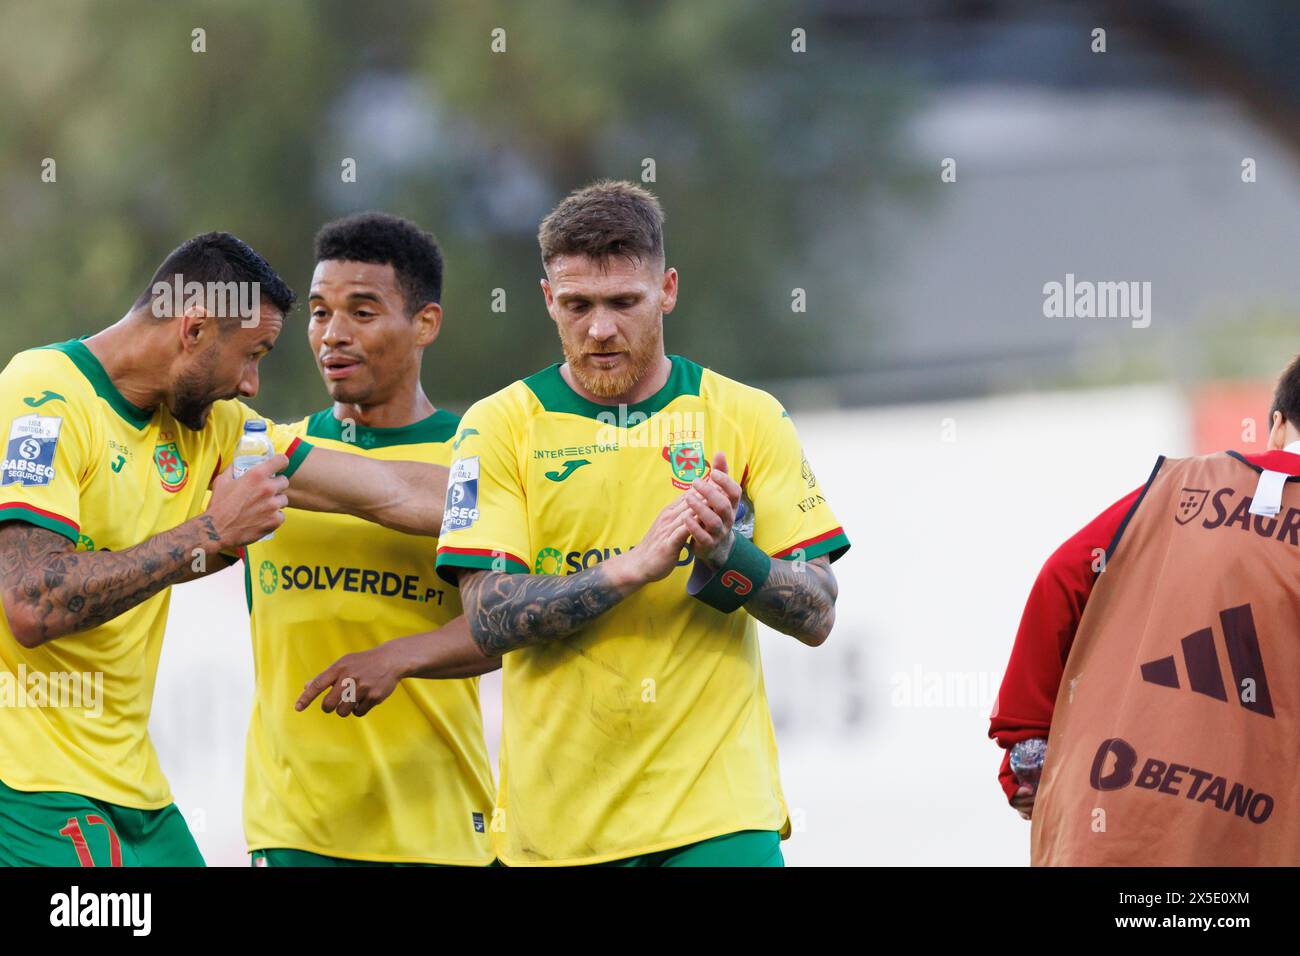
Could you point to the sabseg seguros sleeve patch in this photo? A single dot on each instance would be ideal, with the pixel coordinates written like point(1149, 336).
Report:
point(29, 455)
point(462, 495)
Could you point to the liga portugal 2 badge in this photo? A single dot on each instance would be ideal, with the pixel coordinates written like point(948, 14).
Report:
point(171, 466)
point(687, 461)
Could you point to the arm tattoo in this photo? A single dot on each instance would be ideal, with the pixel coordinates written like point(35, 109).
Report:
point(59, 590)
point(506, 611)
point(797, 600)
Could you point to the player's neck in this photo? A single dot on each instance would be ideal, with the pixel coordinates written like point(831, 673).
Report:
point(410, 407)
point(126, 351)
point(643, 389)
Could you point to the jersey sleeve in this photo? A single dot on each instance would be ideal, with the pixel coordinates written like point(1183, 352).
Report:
point(792, 519)
point(1025, 702)
point(48, 446)
point(229, 417)
point(485, 520)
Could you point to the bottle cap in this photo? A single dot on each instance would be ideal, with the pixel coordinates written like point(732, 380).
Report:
point(255, 425)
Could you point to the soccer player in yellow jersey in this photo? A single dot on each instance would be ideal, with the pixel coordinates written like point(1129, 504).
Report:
point(412, 783)
point(636, 729)
point(112, 442)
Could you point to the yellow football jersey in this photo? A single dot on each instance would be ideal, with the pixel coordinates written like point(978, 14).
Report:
point(82, 461)
point(410, 781)
point(648, 729)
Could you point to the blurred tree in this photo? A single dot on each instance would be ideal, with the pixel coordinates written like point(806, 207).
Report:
point(763, 158)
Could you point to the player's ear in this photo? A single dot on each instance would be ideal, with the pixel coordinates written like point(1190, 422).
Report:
point(428, 323)
point(1277, 434)
point(669, 290)
point(192, 325)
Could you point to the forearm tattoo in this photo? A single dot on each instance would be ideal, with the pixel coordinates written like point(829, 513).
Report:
point(798, 598)
point(506, 611)
point(62, 590)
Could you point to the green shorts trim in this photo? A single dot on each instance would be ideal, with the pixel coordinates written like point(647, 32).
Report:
point(743, 848)
point(54, 828)
point(287, 857)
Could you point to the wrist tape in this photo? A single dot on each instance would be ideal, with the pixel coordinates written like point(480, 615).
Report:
point(730, 586)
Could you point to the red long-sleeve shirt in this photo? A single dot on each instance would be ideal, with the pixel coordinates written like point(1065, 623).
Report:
point(1025, 701)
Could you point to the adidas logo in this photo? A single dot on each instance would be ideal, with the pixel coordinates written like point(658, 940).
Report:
point(1201, 662)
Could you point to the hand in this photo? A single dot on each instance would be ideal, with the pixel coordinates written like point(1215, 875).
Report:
point(657, 554)
point(248, 508)
point(711, 504)
point(359, 682)
point(1023, 801)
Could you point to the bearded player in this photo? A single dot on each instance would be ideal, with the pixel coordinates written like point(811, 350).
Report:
point(598, 553)
point(113, 442)
point(411, 784)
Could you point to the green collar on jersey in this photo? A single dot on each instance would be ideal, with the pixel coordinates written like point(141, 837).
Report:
point(438, 427)
point(90, 367)
point(556, 395)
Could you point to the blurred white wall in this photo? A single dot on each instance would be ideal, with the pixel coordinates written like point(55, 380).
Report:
point(951, 508)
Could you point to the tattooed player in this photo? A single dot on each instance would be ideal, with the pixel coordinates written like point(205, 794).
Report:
point(636, 727)
point(112, 443)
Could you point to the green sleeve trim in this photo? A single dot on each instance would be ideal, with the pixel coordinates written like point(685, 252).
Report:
point(44, 520)
point(835, 544)
point(478, 560)
point(297, 452)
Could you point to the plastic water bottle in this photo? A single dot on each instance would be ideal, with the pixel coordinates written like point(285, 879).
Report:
point(744, 523)
point(254, 448)
point(1027, 761)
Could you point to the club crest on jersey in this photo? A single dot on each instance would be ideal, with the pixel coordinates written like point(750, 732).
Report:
point(462, 495)
point(687, 461)
point(171, 466)
point(29, 456)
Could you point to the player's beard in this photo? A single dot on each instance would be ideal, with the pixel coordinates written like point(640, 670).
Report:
point(193, 392)
point(642, 353)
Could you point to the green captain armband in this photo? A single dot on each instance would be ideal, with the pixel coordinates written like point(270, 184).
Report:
point(744, 572)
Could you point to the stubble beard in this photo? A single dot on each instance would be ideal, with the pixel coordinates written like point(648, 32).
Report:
point(193, 393)
point(642, 356)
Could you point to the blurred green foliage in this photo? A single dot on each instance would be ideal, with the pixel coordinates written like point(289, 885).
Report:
point(764, 159)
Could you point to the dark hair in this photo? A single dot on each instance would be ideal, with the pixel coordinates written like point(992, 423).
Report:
point(607, 218)
point(220, 257)
point(1286, 397)
point(380, 238)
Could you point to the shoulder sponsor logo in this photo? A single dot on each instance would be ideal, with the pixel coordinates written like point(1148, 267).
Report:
point(464, 433)
point(570, 467)
point(811, 502)
point(461, 509)
point(46, 396)
point(806, 472)
point(29, 456)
